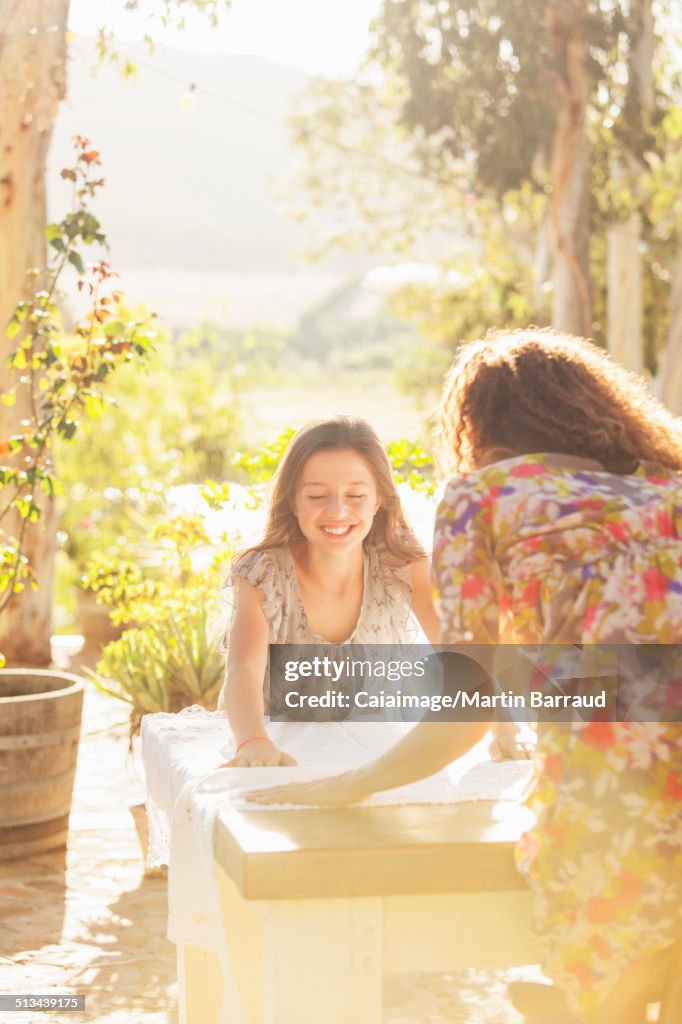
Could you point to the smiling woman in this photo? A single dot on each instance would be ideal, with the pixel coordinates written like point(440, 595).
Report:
point(337, 564)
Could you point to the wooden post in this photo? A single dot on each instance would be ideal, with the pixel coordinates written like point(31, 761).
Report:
point(569, 206)
point(624, 285)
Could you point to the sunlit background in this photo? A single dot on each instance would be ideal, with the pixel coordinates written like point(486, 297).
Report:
point(318, 202)
point(308, 207)
point(317, 37)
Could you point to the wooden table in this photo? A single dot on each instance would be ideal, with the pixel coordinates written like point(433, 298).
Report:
point(319, 905)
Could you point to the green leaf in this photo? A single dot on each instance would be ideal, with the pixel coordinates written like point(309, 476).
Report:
point(114, 329)
point(75, 260)
point(66, 429)
point(94, 405)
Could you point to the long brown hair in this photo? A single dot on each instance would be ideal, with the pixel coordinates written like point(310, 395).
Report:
point(389, 527)
point(533, 390)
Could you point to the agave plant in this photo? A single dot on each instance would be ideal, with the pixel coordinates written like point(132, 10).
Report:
point(169, 657)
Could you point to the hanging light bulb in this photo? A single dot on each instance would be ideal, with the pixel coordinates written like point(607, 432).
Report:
point(187, 99)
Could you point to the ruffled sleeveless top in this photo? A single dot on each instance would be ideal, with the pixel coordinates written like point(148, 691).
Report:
point(386, 604)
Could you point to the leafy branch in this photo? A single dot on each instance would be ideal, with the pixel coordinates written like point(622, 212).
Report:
point(56, 379)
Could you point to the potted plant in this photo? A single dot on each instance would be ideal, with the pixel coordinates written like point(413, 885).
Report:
point(57, 378)
point(40, 718)
point(169, 655)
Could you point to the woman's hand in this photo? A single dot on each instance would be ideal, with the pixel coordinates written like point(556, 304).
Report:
point(335, 791)
point(511, 741)
point(260, 753)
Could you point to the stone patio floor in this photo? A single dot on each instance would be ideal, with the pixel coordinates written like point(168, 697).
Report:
point(87, 920)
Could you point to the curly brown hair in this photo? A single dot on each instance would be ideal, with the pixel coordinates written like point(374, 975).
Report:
point(535, 390)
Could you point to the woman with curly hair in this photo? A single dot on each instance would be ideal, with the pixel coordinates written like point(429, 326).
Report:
point(562, 524)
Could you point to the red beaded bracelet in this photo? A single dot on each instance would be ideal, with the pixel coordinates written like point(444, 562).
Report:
point(251, 739)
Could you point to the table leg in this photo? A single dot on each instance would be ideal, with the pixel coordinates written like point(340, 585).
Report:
point(242, 922)
point(324, 961)
point(324, 958)
point(200, 986)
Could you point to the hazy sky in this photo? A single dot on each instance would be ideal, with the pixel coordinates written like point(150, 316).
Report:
point(320, 36)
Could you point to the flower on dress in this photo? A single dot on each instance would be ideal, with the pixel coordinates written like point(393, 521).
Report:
point(599, 735)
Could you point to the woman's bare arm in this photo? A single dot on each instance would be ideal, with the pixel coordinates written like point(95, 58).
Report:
point(242, 694)
point(429, 747)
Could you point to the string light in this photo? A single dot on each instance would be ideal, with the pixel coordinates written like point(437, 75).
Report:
point(187, 99)
point(186, 103)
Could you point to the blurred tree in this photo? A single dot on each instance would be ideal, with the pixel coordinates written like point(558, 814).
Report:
point(664, 185)
point(624, 253)
point(510, 85)
point(33, 53)
point(367, 180)
point(464, 105)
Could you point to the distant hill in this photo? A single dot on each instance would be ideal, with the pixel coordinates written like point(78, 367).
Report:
point(186, 190)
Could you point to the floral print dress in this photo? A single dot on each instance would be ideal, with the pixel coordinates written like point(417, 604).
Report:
point(553, 549)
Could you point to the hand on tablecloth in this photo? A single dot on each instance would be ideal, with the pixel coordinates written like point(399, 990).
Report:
point(260, 753)
point(334, 791)
point(511, 741)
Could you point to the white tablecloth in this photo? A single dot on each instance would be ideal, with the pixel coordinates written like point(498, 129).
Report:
point(186, 793)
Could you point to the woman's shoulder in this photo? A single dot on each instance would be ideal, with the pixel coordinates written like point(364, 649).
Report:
point(516, 467)
point(514, 476)
point(267, 571)
point(261, 567)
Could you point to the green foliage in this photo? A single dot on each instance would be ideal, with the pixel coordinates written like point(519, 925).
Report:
point(169, 656)
point(365, 182)
point(486, 77)
point(478, 76)
point(411, 465)
point(452, 123)
point(174, 12)
point(258, 467)
point(179, 422)
point(495, 287)
point(57, 380)
point(352, 329)
point(168, 13)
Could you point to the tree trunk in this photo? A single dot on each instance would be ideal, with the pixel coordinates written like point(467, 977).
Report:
point(32, 83)
point(569, 207)
point(624, 294)
point(624, 258)
point(670, 375)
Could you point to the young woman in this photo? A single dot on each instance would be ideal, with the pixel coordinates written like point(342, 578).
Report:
point(337, 564)
point(563, 524)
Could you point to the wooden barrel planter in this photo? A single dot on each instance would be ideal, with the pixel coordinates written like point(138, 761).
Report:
point(40, 722)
